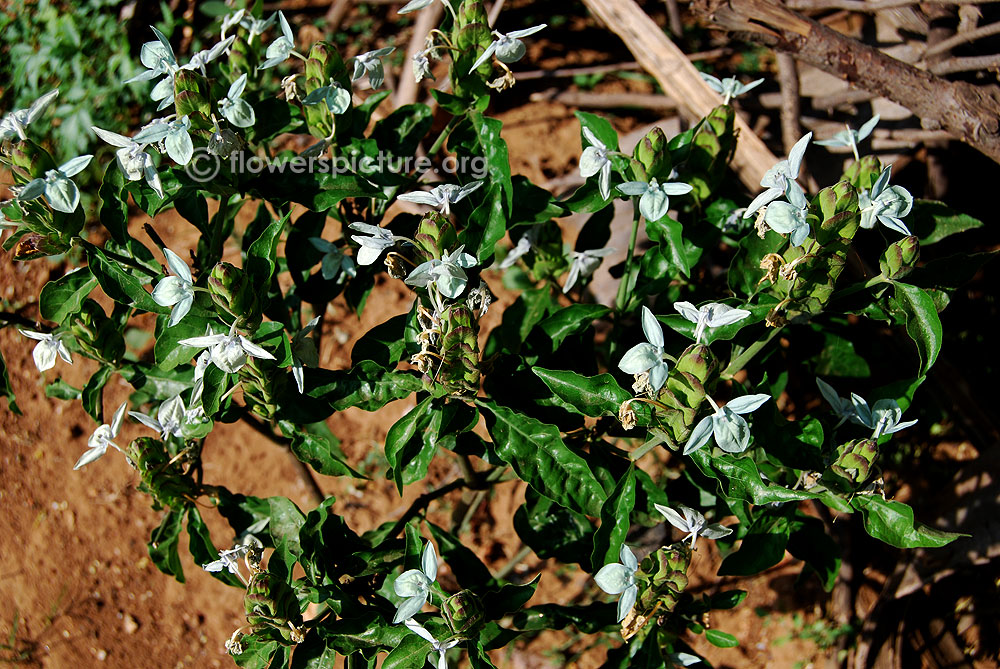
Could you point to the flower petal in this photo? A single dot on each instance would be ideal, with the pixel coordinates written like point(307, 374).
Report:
point(614, 578)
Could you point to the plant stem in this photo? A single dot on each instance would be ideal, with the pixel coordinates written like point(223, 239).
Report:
point(439, 142)
point(740, 361)
point(627, 276)
point(117, 257)
point(512, 563)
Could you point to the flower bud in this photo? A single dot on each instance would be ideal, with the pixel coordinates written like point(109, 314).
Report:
point(650, 159)
point(463, 611)
point(231, 291)
point(30, 161)
point(661, 578)
point(191, 95)
point(853, 465)
point(435, 234)
point(900, 258)
point(863, 173)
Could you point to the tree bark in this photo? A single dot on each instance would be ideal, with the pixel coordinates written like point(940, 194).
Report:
point(680, 80)
point(970, 113)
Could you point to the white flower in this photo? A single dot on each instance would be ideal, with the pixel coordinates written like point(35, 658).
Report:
point(336, 97)
point(237, 110)
point(842, 407)
point(448, 274)
point(710, 315)
point(883, 417)
point(229, 559)
point(304, 353)
point(280, 49)
point(201, 364)
point(421, 67)
point(415, 5)
point(595, 160)
point(159, 59)
point(371, 62)
point(97, 444)
point(205, 56)
point(885, 204)
point(133, 161)
point(172, 136)
point(229, 352)
point(730, 429)
point(850, 137)
point(791, 218)
point(172, 416)
point(443, 196)
point(59, 190)
point(729, 87)
point(583, 264)
point(619, 579)
point(655, 201)
point(175, 291)
point(13, 124)
point(508, 47)
point(522, 248)
point(693, 523)
point(414, 585)
point(48, 347)
point(440, 647)
point(229, 21)
point(257, 26)
point(648, 356)
point(780, 179)
point(372, 246)
point(335, 264)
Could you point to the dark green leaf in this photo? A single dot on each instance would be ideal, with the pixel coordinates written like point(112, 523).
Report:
point(286, 521)
point(893, 523)
point(163, 545)
point(318, 453)
point(203, 550)
point(383, 344)
point(932, 221)
point(61, 390)
point(65, 295)
point(553, 531)
point(593, 396)
point(922, 322)
point(93, 392)
point(571, 320)
point(615, 523)
point(261, 256)
point(119, 285)
point(404, 432)
point(537, 453)
point(409, 653)
point(468, 569)
point(721, 639)
point(762, 547)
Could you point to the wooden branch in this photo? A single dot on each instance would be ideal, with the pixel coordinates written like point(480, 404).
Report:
point(872, 6)
point(966, 64)
point(427, 20)
point(679, 78)
point(969, 112)
point(962, 38)
point(587, 99)
point(788, 82)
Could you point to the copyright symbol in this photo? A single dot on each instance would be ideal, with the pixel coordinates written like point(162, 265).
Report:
point(204, 165)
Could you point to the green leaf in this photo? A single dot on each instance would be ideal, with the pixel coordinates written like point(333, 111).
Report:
point(61, 390)
point(257, 653)
point(588, 619)
point(571, 320)
point(553, 531)
point(739, 479)
point(615, 524)
point(313, 653)
point(203, 550)
point(932, 221)
point(6, 390)
point(536, 451)
point(65, 295)
point(163, 545)
point(469, 570)
point(409, 653)
point(93, 393)
point(893, 523)
point(366, 386)
point(721, 639)
point(167, 350)
point(261, 256)
point(593, 396)
point(495, 150)
point(403, 433)
point(317, 452)
point(762, 547)
point(114, 207)
point(508, 599)
point(922, 322)
point(838, 358)
point(286, 521)
point(601, 127)
point(383, 344)
point(669, 234)
point(120, 285)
